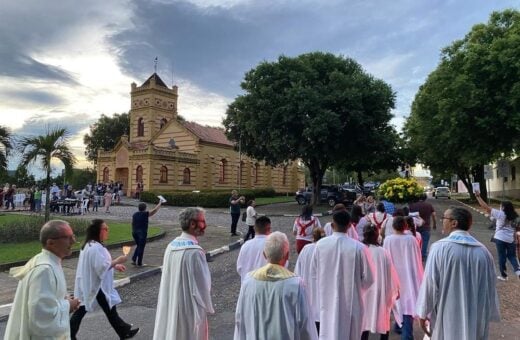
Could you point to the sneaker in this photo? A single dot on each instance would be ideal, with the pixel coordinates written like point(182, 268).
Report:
point(517, 273)
point(502, 278)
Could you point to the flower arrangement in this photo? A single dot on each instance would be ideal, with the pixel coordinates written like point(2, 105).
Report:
point(400, 190)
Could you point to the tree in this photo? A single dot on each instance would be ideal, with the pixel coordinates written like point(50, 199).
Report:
point(315, 107)
point(105, 133)
point(22, 179)
point(467, 114)
point(53, 145)
point(5, 147)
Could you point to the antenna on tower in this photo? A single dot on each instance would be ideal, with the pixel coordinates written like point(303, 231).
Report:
point(156, 60)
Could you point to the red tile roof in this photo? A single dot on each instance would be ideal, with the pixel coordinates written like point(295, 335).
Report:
point(208, 133)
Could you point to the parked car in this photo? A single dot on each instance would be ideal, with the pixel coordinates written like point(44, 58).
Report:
point(329, 193)
point(442, 192)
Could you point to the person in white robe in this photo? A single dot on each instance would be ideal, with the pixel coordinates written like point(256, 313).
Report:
point(382, 220)
point(458, 295)
point(382, 295)
point(406, 256)
point(351, 232)
point(343, 269)
point(251, 254)
point(185, 291)
point(41, 305)
point(273, 303)
point(303, 269)
point(94, 284)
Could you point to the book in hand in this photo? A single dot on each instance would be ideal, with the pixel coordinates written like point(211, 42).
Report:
point(476, 186)
point(162, 199)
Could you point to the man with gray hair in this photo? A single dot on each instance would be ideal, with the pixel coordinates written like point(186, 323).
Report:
point(41, 306)
point(184, 294)
point(458, 294)
point(273, 303)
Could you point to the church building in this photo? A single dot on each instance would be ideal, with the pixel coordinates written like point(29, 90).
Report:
point(165, 153)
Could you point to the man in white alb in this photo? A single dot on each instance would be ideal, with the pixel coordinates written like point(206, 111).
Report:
point(184, 294)
point(273, 303)
point(458, 294)
point(344, 271)
point(251, 255)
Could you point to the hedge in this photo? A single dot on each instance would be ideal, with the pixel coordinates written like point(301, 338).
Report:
point(206, 199)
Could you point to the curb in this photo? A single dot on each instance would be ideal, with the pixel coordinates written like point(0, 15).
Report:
point(4, 315)
point(75, 253)
point(473, 208)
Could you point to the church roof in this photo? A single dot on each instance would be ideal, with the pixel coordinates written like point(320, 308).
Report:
point(208, 133)
point(158, 81)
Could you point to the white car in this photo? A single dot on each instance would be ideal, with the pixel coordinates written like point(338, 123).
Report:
point(442, 192)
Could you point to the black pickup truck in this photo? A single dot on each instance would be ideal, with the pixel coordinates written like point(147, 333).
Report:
point(330, 194)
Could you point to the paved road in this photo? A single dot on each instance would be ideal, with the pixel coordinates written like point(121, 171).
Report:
point(140, 298)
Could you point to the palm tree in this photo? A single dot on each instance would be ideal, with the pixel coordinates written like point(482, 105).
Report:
point(5, 147)
point(43, 149)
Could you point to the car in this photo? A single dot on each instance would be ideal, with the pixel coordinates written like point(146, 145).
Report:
point(442, 192)
point(330, 194)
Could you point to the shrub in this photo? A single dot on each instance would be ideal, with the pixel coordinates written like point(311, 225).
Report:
point(207, 199)
point(27, 228)
point(400, 190)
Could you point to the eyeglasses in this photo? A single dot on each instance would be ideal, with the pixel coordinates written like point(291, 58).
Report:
point(104, 229)
point(202, 221)
point(70, 237)
point(447, 218)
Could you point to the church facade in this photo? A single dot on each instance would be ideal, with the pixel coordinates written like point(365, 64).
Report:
point(165, 153)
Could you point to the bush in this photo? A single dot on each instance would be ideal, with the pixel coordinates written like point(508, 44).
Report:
point(400, 190)
point(206, 199)
point(27, 228)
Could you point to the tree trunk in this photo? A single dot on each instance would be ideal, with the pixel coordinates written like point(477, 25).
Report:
point(48, 197)
point(316, 172)
point(360, 179)
point(478, 176)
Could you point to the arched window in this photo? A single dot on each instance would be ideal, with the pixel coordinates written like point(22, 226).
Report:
point(140, 127)
point(186, 176)
point(163, 123)
point(284, 175)
point(164, 175)
point(222, 171)
point(256, 172)
point(139, 174)
point(106, 175)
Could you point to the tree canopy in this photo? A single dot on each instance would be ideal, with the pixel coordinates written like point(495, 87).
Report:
point(5, 147)
point(105, 133)
point(467, 113)
point(44, 148)
point(316, 107)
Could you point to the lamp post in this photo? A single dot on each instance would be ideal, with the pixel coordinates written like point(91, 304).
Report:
point(239, 162)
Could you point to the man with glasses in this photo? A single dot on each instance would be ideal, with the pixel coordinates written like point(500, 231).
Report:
point(184, 294)
point(41, 306)
point(458, 293)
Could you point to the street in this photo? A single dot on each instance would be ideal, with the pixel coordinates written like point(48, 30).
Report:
point(140, 297)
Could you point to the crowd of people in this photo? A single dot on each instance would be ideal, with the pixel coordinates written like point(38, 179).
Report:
point(347, 282)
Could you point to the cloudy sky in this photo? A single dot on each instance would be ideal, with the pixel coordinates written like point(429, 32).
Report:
point(66, 62)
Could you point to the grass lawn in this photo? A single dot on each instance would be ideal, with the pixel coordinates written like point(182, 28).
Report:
point(11, 252)
point(275, 199)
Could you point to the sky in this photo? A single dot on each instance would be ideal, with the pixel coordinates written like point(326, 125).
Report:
point(64, 63)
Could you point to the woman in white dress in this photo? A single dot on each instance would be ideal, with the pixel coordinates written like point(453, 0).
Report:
point(94, 285)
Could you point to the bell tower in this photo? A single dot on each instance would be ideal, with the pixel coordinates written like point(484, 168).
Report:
point(153, 105)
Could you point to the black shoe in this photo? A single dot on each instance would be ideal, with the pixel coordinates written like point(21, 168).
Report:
point(131, 333)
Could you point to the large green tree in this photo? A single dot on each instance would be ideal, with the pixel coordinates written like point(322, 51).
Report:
point(317, 107)
point(467, 114)
point(43, 149)
point(105, 133)
point(5, 147)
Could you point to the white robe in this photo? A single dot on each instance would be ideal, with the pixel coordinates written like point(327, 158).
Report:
point(458, 293)
point(381, 296)
point(351, 231)
point(184, 293)
point(406, 256)
point(93, 273)
point(343, 269)
point(273, 308)
point(40, 310)
point(303, 269)
point(251, 256)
